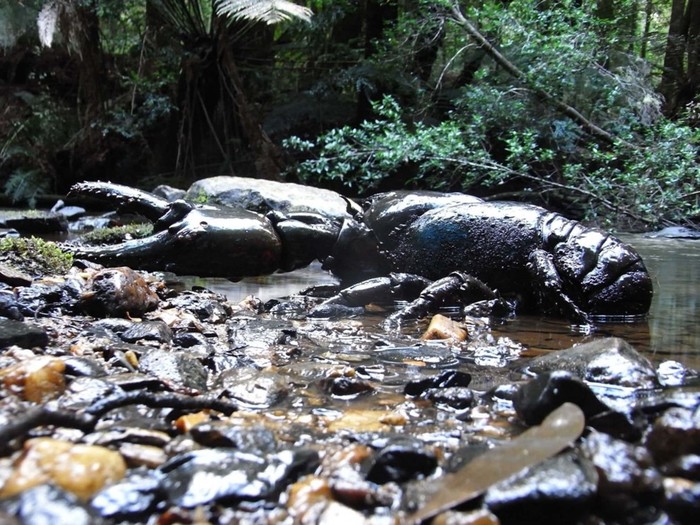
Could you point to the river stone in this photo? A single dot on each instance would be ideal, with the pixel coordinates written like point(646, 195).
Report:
point(77, 468)
point(558, 490)
point(118, 292)
point(149, 331)
point(135, 494)
point(400, 460)
point(49, 505)
point(609, 360)
point(178, 370)
point(687, 466)
point(682, 499)
point(14, 277)
point(675, 433)
point(168, 193)
point(675, 232)
point(254, 388)
point(258, 440)
point(22, 334)
point(204, 476)
point(450, 378)
point(36, 222)
point(458, 397)
point(263, 196)
point(537, 398)
point(626, 474)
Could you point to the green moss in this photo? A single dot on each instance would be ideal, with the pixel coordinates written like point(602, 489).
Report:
point(35, 256)
point(118, 234)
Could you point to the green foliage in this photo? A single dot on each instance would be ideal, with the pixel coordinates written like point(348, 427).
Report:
point(361, 158)
point(35, 256)
point(499, 134)
point(47, 126)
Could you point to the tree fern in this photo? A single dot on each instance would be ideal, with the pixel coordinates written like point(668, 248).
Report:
point(268, 11)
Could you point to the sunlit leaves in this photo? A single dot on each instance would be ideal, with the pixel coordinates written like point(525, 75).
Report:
point(268, 11)
point(47, 22)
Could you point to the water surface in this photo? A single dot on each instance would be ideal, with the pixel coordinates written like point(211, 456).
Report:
point(671, 330)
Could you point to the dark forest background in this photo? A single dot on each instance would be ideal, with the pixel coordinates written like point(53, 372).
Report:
point(588, 107)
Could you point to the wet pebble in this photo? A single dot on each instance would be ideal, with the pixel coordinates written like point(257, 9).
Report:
point(451, 378)
point(401, 460)
point(117, 292)
point(558, 490)
point(686, 466)
point(475, 517)
point(627, 477)
point(19, 333)
point(245, 438)
point(36, 379)
point(178, 370)
point(457, 397)
point(442, 327)
point(682, 499)
point(673, 373)
point(80, 469)
point(344, 387)
point(148, 330)
point(83, 367)
point(253, 387)
point(82, 392)
point(49, 505)
point(675, 433)
point(8, 305)
point(540, 396)
point(134, 495)
point(205, 476)
point(206, 307)
point(190, 339)
point(14, 277)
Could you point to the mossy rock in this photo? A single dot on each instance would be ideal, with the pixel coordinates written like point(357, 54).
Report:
point(34, 256)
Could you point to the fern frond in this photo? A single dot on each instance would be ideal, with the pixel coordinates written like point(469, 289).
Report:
point(47, 22)
point(268, 11)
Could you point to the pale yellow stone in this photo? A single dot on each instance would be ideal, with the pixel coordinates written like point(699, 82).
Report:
point(442, 327)
point(80, 469)
point(37, 379)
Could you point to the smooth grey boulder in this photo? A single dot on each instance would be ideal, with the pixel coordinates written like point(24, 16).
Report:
point(263, 196)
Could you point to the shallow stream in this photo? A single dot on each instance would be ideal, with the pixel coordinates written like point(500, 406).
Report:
point(671, 330)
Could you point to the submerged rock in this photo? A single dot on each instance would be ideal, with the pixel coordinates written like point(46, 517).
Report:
point(610, 361)
point(134, 495)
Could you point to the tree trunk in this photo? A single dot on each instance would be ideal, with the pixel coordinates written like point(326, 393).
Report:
point(672, 78)
point(90, 91)
point(693, 46)
point(268, 156)
point(377, 13)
